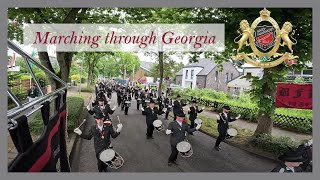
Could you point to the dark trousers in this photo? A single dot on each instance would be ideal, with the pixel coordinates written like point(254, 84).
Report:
point(150, 129)
point(102, 167)
point(192, 123)
point(138, 106)
point(167, 114)
point(119, 100)
point(221, 137)
point(174, 154)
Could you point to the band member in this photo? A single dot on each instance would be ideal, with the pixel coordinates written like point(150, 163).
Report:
point(139, 98)
point(168, 105)
point(151, 115)
point(101, 134)
point(178, 106)
point(119, 95)
point(102, 108)
point(194, 110)
point(161, 101)
point(33, 92)
point(127, 97)
point(177, 129)
point(291, 162)
point(145, 96)
point(223, 120)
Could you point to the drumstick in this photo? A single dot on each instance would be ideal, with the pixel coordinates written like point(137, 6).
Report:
point(119, 120)
point(84, 120)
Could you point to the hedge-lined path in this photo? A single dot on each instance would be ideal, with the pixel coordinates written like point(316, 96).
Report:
point(142, 155)
point(243, 124)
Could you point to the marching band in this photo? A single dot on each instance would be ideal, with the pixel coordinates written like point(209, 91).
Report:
point(178, 129)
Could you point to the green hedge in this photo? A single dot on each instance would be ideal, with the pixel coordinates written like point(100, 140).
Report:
point(89, 89)
point(275, 145)
point(75, 107)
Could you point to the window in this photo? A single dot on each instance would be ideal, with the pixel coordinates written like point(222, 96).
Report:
point(216, 77)
point(191, 85)
point(249, 74)
point(226, 79)
point(231, 76)
point(307, 72)
point(192, 71)
point(186, 74)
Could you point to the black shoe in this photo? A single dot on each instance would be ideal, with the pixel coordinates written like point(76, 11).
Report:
point(218, 148)
point(169, 164)
point(191, 134)
point(175, 163)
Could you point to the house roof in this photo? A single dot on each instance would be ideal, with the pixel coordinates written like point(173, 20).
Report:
point(146, 65)
point(206, 64)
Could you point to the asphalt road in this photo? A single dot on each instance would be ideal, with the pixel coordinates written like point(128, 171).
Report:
point(151, 155)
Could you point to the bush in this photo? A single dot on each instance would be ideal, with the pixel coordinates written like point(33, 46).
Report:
point(25, 77)
point(74, 108)
point(275, 145)
point(75, 77)
point(89, 89)
point(42, 78)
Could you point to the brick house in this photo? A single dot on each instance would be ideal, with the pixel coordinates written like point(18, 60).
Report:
point(205, 74)
point(144, 70)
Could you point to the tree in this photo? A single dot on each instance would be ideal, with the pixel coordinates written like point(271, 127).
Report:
point(91, 60)
point(46, 15)
point(127, 62)
point(161, 16)
point(170, 68)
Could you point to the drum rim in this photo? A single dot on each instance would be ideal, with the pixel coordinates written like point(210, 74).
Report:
point(234, 132)
point(197, 120)
point(111, 150)
point(127, 102)
point(181, 143)
point(155, 121)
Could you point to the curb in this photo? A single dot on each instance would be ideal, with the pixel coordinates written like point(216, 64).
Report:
point(274, 158)
point(74, 138)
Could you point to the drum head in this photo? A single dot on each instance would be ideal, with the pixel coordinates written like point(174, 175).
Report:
point(170, 106)
point(157, 123)
point(232, 132)
point(198, 121)
point(127, 102)
point(183, 146)
point(107, 155)
point(147, 101)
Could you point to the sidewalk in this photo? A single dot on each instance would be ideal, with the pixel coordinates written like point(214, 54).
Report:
point(243, 124)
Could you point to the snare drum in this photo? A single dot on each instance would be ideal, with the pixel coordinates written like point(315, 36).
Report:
point(158, 124)
point(198, 121)
point(169, 108)
point(231, 132)
point(185, 149)
point(111, 158)
point(127, 103)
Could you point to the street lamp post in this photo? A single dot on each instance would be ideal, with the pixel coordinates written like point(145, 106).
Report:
point(80, 62)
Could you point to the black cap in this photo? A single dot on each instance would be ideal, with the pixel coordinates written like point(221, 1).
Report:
point(292, 156)
point(98, 116)
point(99, 98)
point(151, 101)
point(180, 114)
point(226, 107)
point(194, 101)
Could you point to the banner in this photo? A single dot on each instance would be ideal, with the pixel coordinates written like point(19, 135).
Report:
point(294, 96)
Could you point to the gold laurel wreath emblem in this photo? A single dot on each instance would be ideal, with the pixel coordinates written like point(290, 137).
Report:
point(282, 34)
